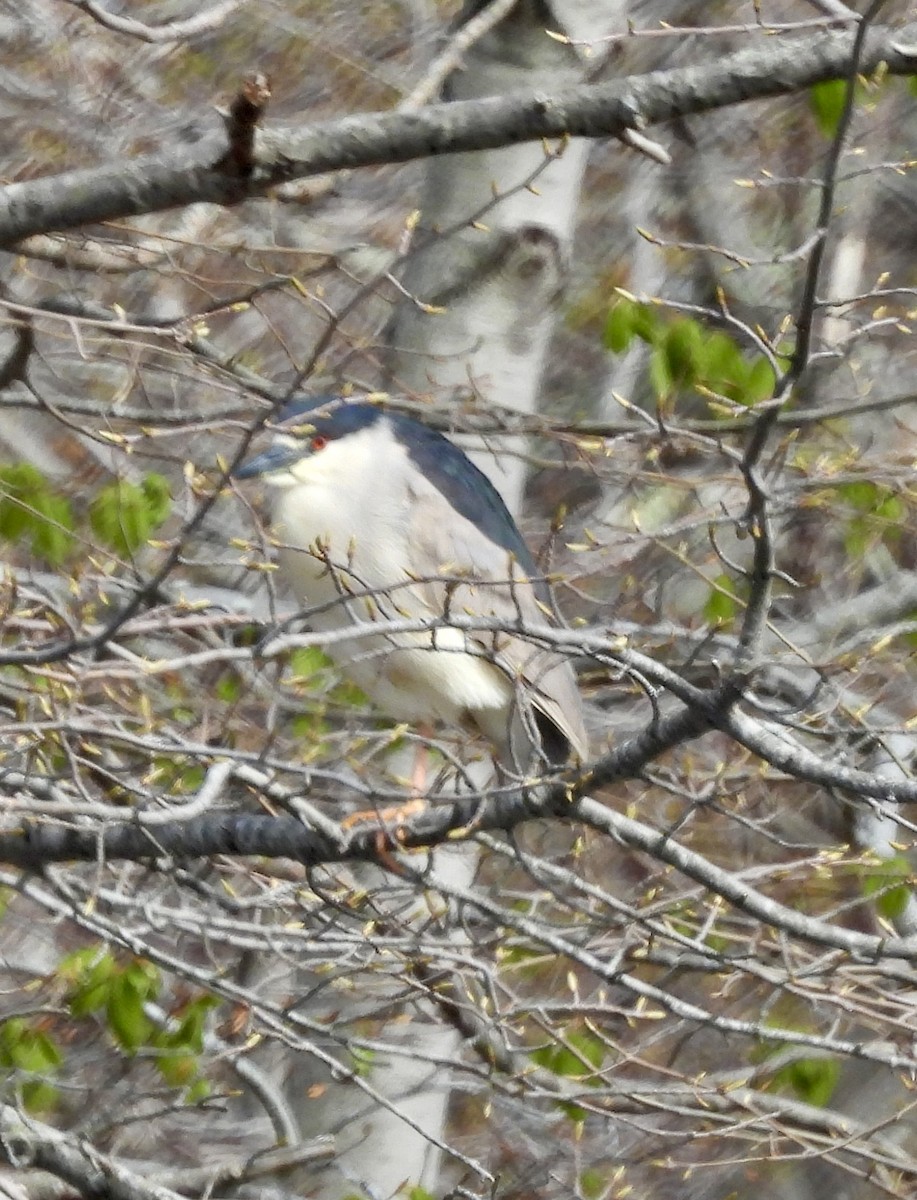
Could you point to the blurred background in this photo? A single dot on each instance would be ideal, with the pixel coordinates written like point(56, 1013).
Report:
point(559, 1013)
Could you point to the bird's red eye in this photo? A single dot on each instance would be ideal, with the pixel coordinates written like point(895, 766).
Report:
point(319, 442)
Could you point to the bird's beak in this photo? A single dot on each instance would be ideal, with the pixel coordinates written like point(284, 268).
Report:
point(280, 457)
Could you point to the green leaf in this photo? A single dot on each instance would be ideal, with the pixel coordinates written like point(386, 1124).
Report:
point(593, 1183)
point(144, 976)
point(11, 1034)
point(827, 103)
point(29, 507)
point(881, 514)
point(812, 1079)
point(619, 327)
point(857, 538)
point(46, 1053)
point(199, 1090)
point(32, 1053)
point(309, 729)
point(89, 1000)
point(722, 605)
point(190, 779)
point(52, 529)
point(18, 483)
point(120, 517)
point(76, 968)
point(861, 494)
point(348, 695)
point(27, 1048)
point(578, 1058)
point(178, 1070)
point(189, 1034)
point(159, 499)
point(728, 373)
point(591, 1048)
point(228, 688)
point(39, 1096)
point(362, 1060)
point(308, 662)
point(646, 322)
point(92, 974)
point(626, 320)
point(124, 515)
point(660, 377)
point(683, 347)
point(889, 881)
point(129, 1024)
point(573, 1111)
point(891, 509)
point(892, 904)
point(760, 382)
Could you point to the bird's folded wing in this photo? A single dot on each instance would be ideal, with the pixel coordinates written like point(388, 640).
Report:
point(467, 575)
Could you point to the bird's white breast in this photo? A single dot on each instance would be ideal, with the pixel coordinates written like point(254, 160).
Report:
point(345, 552)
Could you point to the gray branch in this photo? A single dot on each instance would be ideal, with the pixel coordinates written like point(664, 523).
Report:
point(197, 170)
point(26, 1142)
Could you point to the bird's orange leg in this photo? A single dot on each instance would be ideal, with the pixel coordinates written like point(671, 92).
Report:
point(392, 819)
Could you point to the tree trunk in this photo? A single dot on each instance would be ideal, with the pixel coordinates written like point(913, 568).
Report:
point(491, 262)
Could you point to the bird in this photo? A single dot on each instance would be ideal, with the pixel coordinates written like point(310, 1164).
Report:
point(380, 520)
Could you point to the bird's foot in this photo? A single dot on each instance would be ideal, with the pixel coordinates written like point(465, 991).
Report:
point(391, 833)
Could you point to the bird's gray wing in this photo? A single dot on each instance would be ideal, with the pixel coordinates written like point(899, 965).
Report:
point(460, 571)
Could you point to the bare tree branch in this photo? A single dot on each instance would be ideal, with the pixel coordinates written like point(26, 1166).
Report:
point(173, 31)
point(187, 174)
point(27, 1142)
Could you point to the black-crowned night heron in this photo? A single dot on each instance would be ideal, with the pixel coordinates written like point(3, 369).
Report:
point(380, 521)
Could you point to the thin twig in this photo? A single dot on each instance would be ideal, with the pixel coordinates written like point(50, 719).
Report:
point(174, 31)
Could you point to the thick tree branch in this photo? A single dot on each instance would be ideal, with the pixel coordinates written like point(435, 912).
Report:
point(174, 31)
point(236, 833)
point(191, 173)
point(26, 1142)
